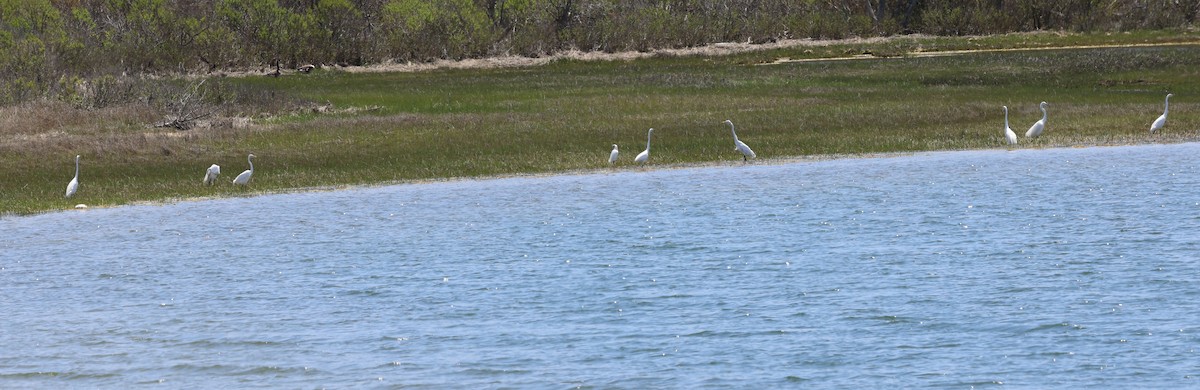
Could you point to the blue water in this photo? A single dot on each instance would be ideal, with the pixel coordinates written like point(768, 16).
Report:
point(1062, 268)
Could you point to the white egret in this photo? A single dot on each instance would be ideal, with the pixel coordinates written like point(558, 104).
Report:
point(1162, 120)
point(74, 184)
point(645, 154)
point(210, 177)
point(245, 176)
point(1039, 126)
point(612, 157)
point(738, 145)
point(1008, 133)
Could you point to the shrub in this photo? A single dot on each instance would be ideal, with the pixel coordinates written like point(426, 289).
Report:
point(43, 42)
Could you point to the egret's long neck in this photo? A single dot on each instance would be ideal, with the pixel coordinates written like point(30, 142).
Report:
point(648, 141)
point(251, 161)
point(1006, 118)
point(1167, 105)
point(76, 168)
point(1043, 113)
point(732, 131)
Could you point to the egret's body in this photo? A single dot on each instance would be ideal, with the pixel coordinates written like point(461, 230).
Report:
point(1162, 120)
point(1009, 135)
point(210, 176)
point(739, 145)
point(244, 177)
point(612, 157)
point(1040, 126)
point(644, 156)
point(74, 184)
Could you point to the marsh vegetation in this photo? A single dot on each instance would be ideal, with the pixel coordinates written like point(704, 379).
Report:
point(336, 128)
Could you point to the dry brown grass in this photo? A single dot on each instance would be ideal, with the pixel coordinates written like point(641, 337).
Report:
point(716, 49)
point(37, 117)
point(914, 45)
point(46, 128)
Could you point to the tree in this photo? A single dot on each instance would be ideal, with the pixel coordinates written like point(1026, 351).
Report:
point(260, 28)
point(32, 46)
point(339, 24)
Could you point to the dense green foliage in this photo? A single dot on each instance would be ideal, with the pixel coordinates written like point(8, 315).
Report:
point(564, 116)
point(48, 48)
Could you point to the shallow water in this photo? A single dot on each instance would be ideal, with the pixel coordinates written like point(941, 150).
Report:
point(1038, 268)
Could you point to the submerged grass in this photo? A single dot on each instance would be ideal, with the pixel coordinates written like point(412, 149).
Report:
point(565, 116)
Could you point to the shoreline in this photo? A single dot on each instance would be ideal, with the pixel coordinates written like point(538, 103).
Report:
point(772, 161)
point(435, 143)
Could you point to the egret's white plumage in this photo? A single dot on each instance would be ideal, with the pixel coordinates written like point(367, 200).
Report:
point(1039, 126)
point(1009, 135)
point(244, 177)
point(645, 154)
point(74, 184)
point(210, 176)
point(1162, 119)
point(612, 157)
point(738, 145)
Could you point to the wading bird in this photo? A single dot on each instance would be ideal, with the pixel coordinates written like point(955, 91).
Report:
point(1009, 135)
point(74, 184)
point(1162, 120)
point(210, 176)
point(645, 154)
point(1039, 126)
point(739, 145)
point(245, 176)
point(612, 157)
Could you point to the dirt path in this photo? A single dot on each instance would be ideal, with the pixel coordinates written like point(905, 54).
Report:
point(946, 53)
point(716, 49)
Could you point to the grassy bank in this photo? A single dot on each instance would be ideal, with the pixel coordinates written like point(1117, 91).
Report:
point(565, 115)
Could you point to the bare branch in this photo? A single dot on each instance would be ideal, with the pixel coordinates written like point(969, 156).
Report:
point(188, 108)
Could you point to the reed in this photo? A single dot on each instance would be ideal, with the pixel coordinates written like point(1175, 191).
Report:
point(566, 115)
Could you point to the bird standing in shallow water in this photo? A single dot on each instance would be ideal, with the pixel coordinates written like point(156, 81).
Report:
point(74, 184)
point(244, 178)
point(739, 145)
point(1162, 119)
point(644, 156)
point(1039, 126)
point(1009, 135)
point(210, 176)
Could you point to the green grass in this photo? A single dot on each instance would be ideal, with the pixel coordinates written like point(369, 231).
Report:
point(565, 116)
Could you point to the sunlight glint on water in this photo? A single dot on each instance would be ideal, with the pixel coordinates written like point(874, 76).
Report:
point(1068, 267)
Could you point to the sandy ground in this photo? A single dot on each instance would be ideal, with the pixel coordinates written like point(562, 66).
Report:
point(716, 49)
point(945, 53)
point(511, 61)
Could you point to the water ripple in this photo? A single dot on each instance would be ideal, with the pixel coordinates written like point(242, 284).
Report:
point(1034, 268)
